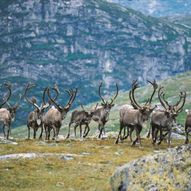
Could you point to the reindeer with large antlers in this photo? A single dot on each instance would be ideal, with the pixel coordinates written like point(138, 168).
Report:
point(101, 114)
point(7, 115)
point(35, 117)
point(80, 118)
point(163, 120)
point(55, 115)
point(133, 118)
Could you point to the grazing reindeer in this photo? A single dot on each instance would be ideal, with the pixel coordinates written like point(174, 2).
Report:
point(163, 120)
point(80, 118)
point(35, 117)
point(7, 115)
point(133, 118)
point(188, 125)
point(101, 114)
point(55, 115)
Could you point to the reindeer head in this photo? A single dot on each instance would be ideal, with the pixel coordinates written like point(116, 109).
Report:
point(12, 108)
point(172, 111)
point(64, 109)
point(5, 100)
point(146, 109)
point(39, 109)
point(106, 104)
point(89, 114)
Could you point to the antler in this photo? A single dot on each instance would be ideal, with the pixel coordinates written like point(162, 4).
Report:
point(134, 102)
point(182, 96)
point(100, 93)
point(155, 86)
point(71, 93)
point(8, 86)
point(160, 99)
point(33, 100)
point(112, 99)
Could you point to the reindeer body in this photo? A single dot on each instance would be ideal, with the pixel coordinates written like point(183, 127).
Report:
point(53, 120)
point(7, 115)
point(134, 117)
point(188, 125)
point(56, 114)
point(80, 118)
point(5, 118)
point(162, 120)
point(34, 121)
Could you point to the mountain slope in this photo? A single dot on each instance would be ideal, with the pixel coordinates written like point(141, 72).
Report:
point(80, 43)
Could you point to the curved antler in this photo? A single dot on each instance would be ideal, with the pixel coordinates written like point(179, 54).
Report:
point(117, 91)
point(71, 93)
point(132, 103)
point(160, 99)
point(100, 93)
point(8, 86)
point(182, 96)
point(134, 86)
point(33, 100)
point(155, 86)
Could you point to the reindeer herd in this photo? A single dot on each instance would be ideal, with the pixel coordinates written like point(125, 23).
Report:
point(48, 115)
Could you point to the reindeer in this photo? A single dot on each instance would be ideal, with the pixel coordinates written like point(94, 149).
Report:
point(7, 115)
point(35, 117)
point(163, 120)
point(133, 118)
point(82, 117)
point(101, 114)
point(187, 125)
point(55, 115)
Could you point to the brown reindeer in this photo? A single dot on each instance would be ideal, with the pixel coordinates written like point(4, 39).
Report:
point(81, 117)
point(7, 115)
point(163, 120)
point(187, 125)
point(55, 115)
point(133, 118)
point(101, 114)
point(35, 117)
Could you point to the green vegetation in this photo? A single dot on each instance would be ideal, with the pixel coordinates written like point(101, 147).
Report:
point(91, 170)
point(88, 171)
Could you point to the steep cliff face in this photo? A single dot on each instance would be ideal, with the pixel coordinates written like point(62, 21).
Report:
point(78, 43)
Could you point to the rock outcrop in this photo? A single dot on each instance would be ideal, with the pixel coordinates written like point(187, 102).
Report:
point(166, 170)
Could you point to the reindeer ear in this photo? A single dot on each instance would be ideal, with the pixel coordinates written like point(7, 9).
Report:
point(112, 105)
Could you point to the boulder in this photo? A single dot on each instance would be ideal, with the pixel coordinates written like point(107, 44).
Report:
point(166, 170)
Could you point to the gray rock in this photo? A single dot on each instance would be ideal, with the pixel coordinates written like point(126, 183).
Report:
point(166, 170)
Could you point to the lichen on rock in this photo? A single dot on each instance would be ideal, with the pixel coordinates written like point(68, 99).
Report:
point(166, 170)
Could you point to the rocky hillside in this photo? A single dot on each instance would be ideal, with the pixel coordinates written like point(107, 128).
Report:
point(169, 170)
point(80, 43)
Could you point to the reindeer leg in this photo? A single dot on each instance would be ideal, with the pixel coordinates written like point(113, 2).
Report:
point(80, 130)
point(186, 132)
point(40, 137)
point(130, 134)
point(4, 130)
point(34, 133)
point(8, 130)
point(169, 137)
point(28, 131)
point(88, 129)
point(75, 127)
point(69, 130)
point(161, 136)
point(119, 135)
point(101, 130)
point(54, 132)
point(148, 134)
point(155, 136)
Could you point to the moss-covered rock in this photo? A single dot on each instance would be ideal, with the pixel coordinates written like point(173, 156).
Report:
point(166, 170)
